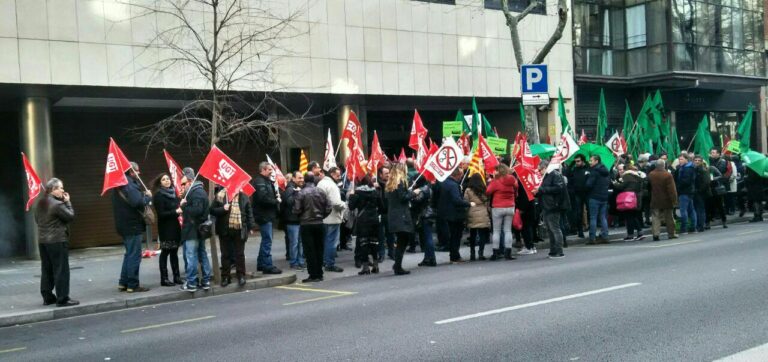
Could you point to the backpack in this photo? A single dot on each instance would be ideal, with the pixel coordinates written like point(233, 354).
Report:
point(626, 201)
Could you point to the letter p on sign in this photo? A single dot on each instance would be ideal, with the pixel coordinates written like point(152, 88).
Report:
point(534, 78)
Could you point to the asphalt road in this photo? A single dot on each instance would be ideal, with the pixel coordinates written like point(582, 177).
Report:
point(698, 298)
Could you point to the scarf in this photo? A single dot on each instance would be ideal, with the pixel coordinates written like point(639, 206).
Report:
point(235, 221)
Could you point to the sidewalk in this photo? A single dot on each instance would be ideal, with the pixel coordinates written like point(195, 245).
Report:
point(94, 274)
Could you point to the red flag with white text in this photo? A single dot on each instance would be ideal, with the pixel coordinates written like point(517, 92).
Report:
point(418, 132)
point(529, 179)
point(219, 168)
point(175, 171)
point(117, 166)
point(352, 130)
point(33, 181)
point(489, 160)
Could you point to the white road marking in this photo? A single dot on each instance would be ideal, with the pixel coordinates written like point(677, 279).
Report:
point(154, 326)
point(750, 232)
point(671, 244)
point(753, 354)
point(541, 302)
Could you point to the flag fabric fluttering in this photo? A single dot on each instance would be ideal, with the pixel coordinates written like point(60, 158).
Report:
point(34, 185)
point(488, 130)
point(565, 126)
point(418, 132)
point(703, 139)
point(352, 130)
point(489, 159)
point(376, 156)
point(445, 160)
point(475, 130)
point(529, 179)
point(280, 179)
point(175, 171)
point(303, 163)
point(602, 119)
point(402, 158)
point(465, 143)
point(220, 169)
point(583, 138)
point(617, 144)
point(744, 131)
point(117, 166)
point(476, 164)
point(522, 116)
point(329, 160)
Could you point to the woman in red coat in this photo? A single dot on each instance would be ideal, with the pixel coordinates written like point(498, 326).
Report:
point(502, 192)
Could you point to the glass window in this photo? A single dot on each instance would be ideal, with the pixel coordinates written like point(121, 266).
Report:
point(517, 6)
point(705, 24)
point(617, 29)
point(705, 60)
point(684, 55)
point(682, 21)
point(636, 34)
point(657, 17)
point(657, 58)
point(600, 61)
point(637, 62)
point(738, 29)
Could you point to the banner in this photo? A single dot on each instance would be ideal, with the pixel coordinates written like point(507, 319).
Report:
point(418, 132)
point(117, 166)
point(445, 160)
point(497, 145)
point(529, 179)
point(33, 181)
point(175, 171)
point(617, 144)
point(220, 169)
point(452, 129)
point(489, 160)
point(280, 180)
point(352, 130)
point(733, 146)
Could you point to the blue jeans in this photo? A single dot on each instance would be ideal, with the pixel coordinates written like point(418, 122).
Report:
point(129, 274)
point(687, 210)
point(598, 209)
point(427, 238)
point(295, 250)
point(700, 206)
point(331, 240)
point(264, 260)
point(194, 252)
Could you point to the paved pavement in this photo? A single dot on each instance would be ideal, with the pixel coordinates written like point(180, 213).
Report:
point(700, 297)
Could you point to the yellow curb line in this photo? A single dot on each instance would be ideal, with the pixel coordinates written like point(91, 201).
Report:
point(154, 326)
point(13, 350)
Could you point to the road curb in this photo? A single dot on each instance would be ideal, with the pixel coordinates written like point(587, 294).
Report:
point(48, 313)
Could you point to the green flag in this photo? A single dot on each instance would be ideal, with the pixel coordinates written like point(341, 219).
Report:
point(566, 127)
point(745, 129)
point(628, 121)
point(674, 144)
point(475, 120)
point(602, 119)
point(464, 125)
point(522, 116)
point(703, 142)
point(488, 129)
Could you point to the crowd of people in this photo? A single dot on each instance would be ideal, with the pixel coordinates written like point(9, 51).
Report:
point(394, 211)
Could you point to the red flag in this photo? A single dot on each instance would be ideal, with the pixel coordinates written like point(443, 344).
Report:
point(33, 181)
point(421, 155)
point(355, 169)
point(248, 189)
point(432, 150)
point(175, 171)
point(464, 143)
point(489, 159)
point(402, 157)
point(418, 132)
point(117, 166)
point(280, 179)
point(529, 179)
point(352, 130)
point(220, 169)
point(376, 156)
point(583, 138)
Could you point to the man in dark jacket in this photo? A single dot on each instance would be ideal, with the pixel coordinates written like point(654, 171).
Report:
point(703, 192)
point(577, 188)
point(598, 180)
point(291, 221)
point(312, 206)
point(386, 239)
point(452, 207)
point(234, 222)
point(686, 189)
point(194, 208)
point(53, 215)
point(265, 206)
point(553, 198)
point(128, 203)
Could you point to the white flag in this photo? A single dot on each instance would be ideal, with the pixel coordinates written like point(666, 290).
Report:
point(329, 160)
point(445, 160)
point(565, 150)
point(617, 144)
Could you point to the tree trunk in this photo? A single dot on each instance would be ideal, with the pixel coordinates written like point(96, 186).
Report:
point(211, 186)
point(532, 123)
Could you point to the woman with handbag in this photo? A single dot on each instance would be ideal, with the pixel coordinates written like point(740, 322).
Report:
point(502, 191)
point(630, 187)
point(166, 204)
point(478, 220)
point(398, 197)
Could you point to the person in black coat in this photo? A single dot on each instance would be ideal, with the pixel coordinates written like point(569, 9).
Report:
point(53, 215)
point(194, 208)
point(554, 200)
point(399, 213)
point(366, 203)
point(166, 204)
point(265, 203)
point(234, 222)
point(598, 182)
point(452, 207)
point(577, 188)
point(294, 249)
point(755, 186)
point(128, 203)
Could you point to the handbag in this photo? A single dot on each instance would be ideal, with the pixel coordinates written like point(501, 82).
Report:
point(205, 229)
point(626, 201)
point(720, 189)
point(517, 220)
point(147, 214)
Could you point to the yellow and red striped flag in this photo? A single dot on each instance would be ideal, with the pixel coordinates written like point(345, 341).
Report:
point(303, 163)
point(476, 165)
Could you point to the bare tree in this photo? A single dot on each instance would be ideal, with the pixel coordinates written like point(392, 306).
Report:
point(513, 21)
point(231, 45)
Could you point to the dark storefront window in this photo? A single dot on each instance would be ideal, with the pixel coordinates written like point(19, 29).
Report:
point(518, 6)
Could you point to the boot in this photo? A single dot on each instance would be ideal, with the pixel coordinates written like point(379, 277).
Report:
point(480, 253)
point(375, 266)
point(472, 253)
point(164, 275)
point(226, 280)
point(365, 269)
point(177, 278)
point(495, 255)
point(508, 254)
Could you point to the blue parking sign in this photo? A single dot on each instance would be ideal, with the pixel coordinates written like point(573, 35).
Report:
point(534, 78)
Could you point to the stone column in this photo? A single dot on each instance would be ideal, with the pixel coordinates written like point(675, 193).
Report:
point(37, 144)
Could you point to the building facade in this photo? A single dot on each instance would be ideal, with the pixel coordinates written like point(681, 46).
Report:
point(706, 57)
point(75, 72)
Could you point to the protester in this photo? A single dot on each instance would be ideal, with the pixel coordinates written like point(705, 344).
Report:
point(755, 193)
point(53, 215)
point(598, 181)
point(527, 210)
point(386, 238)
point(632, 181)
point(398, 197)
point(554, 200)
point(716, 200)
point(166, 203)
point(128, 204)
point(332, 223)
point(295, 250)
point(663, 200)
point(285, 211)
point(703, 192)
point(365, 201)
point(577, 189)
point(234, 222)
point(453, 208)
point(502, 192)
point(312, 206)
point(478, 220)
point(731, 184)
point(423, 214)
point(686, 189)
point(265, 206)
point(194, 208)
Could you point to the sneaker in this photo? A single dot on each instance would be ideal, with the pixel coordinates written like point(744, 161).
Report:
point(207, 286)
point(534, 250)
point(629, 238)
point(121, 288)
point(188, 288)
point(526, 252)
point(334, 269)
point(556, 256)
point(68, 303)
point(297, 267)
point(137, 290)
point(272, 270)
point(458, 261)
point(672, 237)
point(312, 280)
point(655, 238)
point(638, 238)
